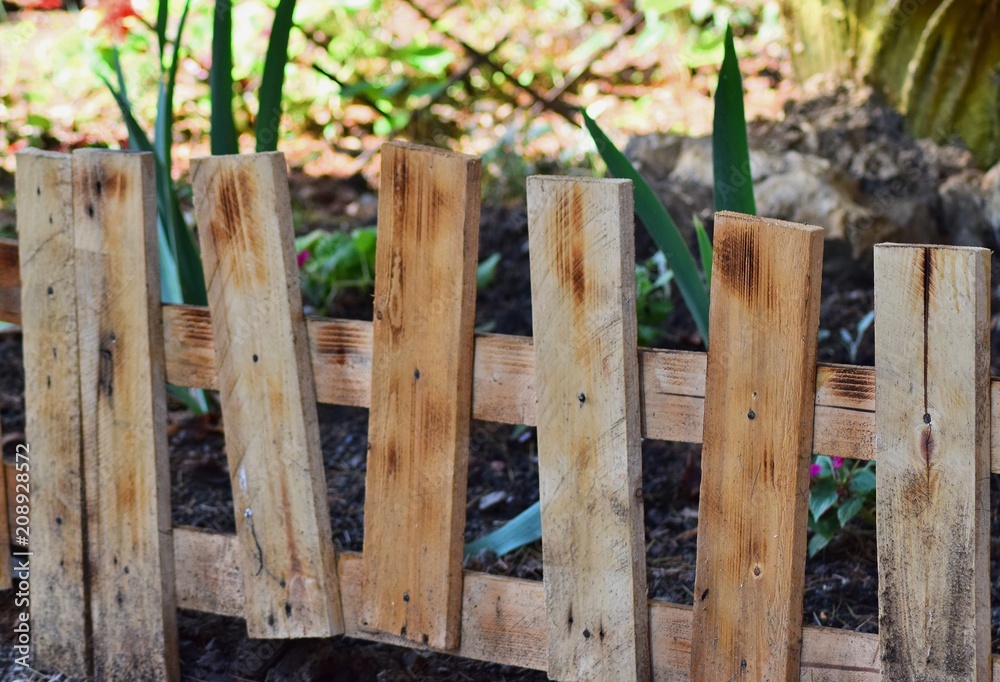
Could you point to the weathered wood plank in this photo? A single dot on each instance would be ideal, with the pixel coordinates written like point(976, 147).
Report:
point(932, 359)
point(268, 395)
point(10, 282)
point(673, 382)
point(589, 457)
point(123, 416)
point(503, 619)
point(213, 581)
point(421, 393)
point(758, 428)
point(60, 605)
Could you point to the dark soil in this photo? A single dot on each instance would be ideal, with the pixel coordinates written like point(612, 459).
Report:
point(841, 582)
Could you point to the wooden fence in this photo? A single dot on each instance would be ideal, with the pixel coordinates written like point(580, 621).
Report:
point(109, 572)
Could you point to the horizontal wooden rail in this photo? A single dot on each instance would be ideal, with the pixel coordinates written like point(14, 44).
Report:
point(503, 619)
point(672, 382)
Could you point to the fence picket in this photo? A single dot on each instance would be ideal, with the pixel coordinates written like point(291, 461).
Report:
point(589, 458)
point(123, 416)
point(268, 396)
point(759, 398)
point(60, 604)
point(932, 411)
point(421, 393)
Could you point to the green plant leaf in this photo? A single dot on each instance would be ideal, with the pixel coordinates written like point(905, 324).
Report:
point(486, 272)
point(817, 542)
point(661, 227)
point(849, 509)
point(862, 481)
point(822, 496)
point(704, 250)
point(162, 13)
point(273, 80)
point(220, 81)
point(730, 150)
point(524, 528)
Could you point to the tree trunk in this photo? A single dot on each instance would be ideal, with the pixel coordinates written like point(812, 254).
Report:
point(938, 61)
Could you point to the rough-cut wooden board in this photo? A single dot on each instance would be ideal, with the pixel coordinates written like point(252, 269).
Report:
point(589, 457)
point(60, 606)
point(932, 358)
point(503, 619)
point(421, 393)
point(123, 414)
point(213, 581)
point(10, 282)
point(673, 382)
point(268, 396)
point(755, 459)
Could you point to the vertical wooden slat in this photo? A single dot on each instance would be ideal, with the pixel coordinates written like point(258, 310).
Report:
point(268, 396)
point(123, 414)
point(932, 446)
point(590, 464)
point(60, 601)
point(421, 394)
point(759, 393)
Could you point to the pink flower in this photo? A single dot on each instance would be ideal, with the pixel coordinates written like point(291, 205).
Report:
point(304, 256)
point(837, 461)
point(815, 470)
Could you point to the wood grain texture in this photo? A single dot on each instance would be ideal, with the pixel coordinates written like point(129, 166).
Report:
point(123, 416)
point(60, 606)
point(268, 395)
point(10, 282)
point(589, 457)
point(503, 619)
point(932, 359)
point(758, 429)
point(421, 393)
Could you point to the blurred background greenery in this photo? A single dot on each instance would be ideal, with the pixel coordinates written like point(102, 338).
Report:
point(471, 75)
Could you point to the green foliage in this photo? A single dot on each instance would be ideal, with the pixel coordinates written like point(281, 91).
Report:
point(331, 262)
point(660, 225)
point(652, 298)
point(220, 81)
point(269, 111)
point(841, 490)
point(730, 149)
point(487, 271)
point(335, 261)
point(523, 529)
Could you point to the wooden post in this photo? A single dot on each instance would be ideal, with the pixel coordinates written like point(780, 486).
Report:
point(932, 411)
point(421, 394)
point(759, 393)
point(60, 608)
point(268, 396)
point(590, 463)
point(123, 413)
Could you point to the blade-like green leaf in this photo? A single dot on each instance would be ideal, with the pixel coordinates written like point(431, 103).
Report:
point(220, 81)
point(178, 235)
point(730, 150)
point(524, 528)
point(704, 250)
point(269, 114)
point(660, 226)
point(163, 136)
point(161, 28)
point(187, 262)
